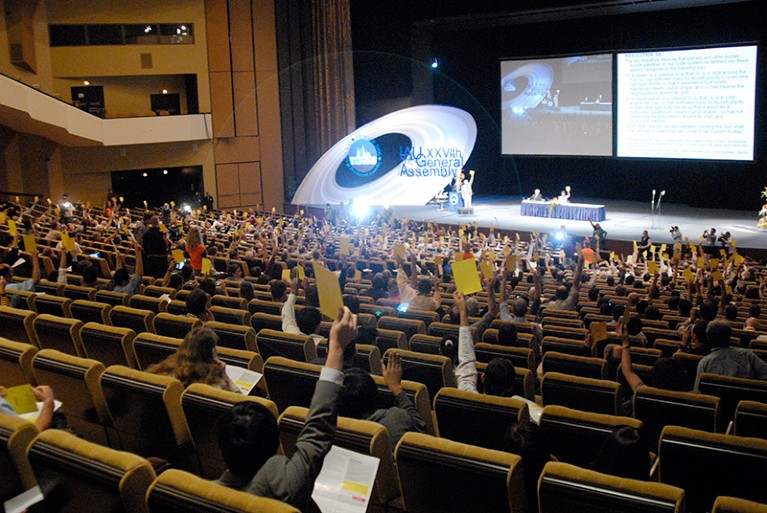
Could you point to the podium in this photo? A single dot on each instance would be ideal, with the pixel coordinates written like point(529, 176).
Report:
point(455, 200)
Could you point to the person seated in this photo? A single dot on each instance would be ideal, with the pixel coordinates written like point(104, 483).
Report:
point(278, 290)
point(196, 361)
point(249, 438)
point(124, 282)
point(418, 294)
point(624, 453)
point(537, 196)
point(306, 321)
point(43, 394)
point(527, 439)
point(197, 305)
point(564, 196)
point(568, 299)
point(736, 362)
point(358, 398)
point(6, 275)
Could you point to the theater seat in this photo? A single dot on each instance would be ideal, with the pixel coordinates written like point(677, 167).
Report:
point(594, 395)
point(261, 321)
point(16, 325)
point(53, 305)
point(111, 345)
point(658, 408)
point(409, 327)
point(751, 419)
point(584, 366)
point(231, 315)
point(734, 505)
point(176, 491)
point(15, 436)
point(149, 348)
point(290, 382)
point(175, 326)
point(203, 406)
point(571, 489)
point(112, 298)
point(140, 321)
point(236, 336)
point(434, 371)
point(731, 391)
point(519, 356)
point(84, 476)
point(707, 465)
point(153, 304)
point(62, 334)
point(90, 311)
point(16, 363)
point(476, 419)
point(388, 339)
point(441, 476)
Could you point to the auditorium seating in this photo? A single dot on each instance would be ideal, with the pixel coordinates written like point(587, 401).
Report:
point(428, 344)
point(16, 325)
point(138, 320)
point(235, 336)
point(519, 356)
point(62, 334)
point(658, 408)
point(149, 348)
point(153, 304)
point(441, 476)
point(270, 343)
point(409, 327)
point(434, 371)
point(230, 315)
point(725, 504)
point(112, 298)
point(15, 436)
point(16, 362)
point(261, 321)
point(587, 367)
point(388, 339)
point(290, 382)
point(90, 311)
point(175, 326)
point(563, 487)
point(594, 395)
point(731, 391)
point(750, 419)
point(110, 345)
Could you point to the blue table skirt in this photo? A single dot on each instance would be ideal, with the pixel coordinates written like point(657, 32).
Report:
point(576, 211)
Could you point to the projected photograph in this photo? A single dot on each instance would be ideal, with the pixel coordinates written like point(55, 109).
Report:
point(687, 104)
point(560, 106)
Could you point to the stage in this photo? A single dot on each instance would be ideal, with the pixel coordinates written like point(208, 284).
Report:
point(624, 222)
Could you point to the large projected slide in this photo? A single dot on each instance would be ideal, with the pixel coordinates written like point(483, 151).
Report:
point(687, 104)
point(560, 106)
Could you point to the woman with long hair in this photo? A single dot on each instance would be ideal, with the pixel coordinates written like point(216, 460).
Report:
point(196, 361)
point(195, 248)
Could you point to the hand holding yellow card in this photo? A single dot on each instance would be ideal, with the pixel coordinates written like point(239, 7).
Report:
point(21, 399)
point(205, 270)
point(178, 255)
point(329, 291)
point(30, 245)
point(466, 276)
point(67, 241)
point(652, 266)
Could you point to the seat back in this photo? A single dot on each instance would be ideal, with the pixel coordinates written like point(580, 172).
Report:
point(564, 487)
point(76, 292)
point(427, 344)
point(15, 436)
point(16, 325)
point(237, 303)
point(231, 315)
point(442, 329)
point(203, 407)
point(458, 413)
point(263, 306)
point(576, 436)
point(690, 363)
point(145, 409)
point(90, 311)
point(111, 345)
point(149, 348)
point(158, 291)
point(594, 395)
point(751, 419)
point(441, 476)
point(16, 362)
point(236, 336)
point(62, 334)
point(426, 316)
point(434, 371)
point(408, 326)
point(707, 465)
point(288, 345)
point(367, 357)
point(519, 356)
point(75, 381)
point(153, 304)
point(360, 436)
point(88, 476)
point(583, 366)
point(658, 408)
point(388, 339)
point(112, 298)
point(177, 491)
point(261, 321)
point(563, 345)
point(290, 382)
point(731, 391)
point(174, 326)
point(416, 392)
point(735, 505)
point(177, 307)
point(138, 320)
point(52, 305)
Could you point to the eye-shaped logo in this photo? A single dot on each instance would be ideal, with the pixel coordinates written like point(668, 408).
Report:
point(433, 143)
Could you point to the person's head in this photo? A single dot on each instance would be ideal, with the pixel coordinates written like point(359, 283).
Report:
point(499, 377)
point(699, 337)
point(278, 290)
point(187, 272)
point(507, 334)
point(247, 291)
point(193, 238)
point(197, 302)
point(561, 293)
point(200, 345)
point(624, 453)
point(247, 437)
point(308, 320)
point(448, 346)
point(754, 311)
point(644, 233)
point(472, 307)
point(234, 270)
point(312, 296)
point(527, 439)
point(175, 281)
point(669, 374)
point(606, 308)
point(379, 282)
point(718, 333)
point(685, 307)
point(519, 307)
point(731, 312)
point(593, 294)
point(121, 277)
point(642, 305)
point(618, 311)
point(358, 394)
point(708, 310)
point(752, 323)
point(90, 275)
point(634, 326)
point(652, 313)
point(208, 285)
point(352, 302)
point(424, 287)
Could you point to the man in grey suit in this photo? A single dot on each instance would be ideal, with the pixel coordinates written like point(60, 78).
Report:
point(248, 435)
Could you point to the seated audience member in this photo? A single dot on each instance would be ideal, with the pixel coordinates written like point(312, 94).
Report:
point(43, 394)
point(197, 305)
point(694, 339)
point(366, 334)
point(127, 283)
point(278, 290)
point(568, 300)
point(527, 440)
point(736, 362)
point(249, 438)
point(378, 288)
point(418, 294)
point(359, 395)
point(247, 291)
point(624, 454)
point(498, 378)
point(306, 321)
point(196, 361)
point(6, 275)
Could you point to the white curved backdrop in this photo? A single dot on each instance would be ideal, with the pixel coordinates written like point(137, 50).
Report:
point(427, 126)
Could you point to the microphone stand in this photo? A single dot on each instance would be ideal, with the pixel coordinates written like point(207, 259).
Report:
point(652, 210)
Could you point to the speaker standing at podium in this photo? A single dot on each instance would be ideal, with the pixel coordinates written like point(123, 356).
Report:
point(466, 190)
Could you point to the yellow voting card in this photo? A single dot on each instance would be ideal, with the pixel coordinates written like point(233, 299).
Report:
point(205, 270)
point(29, 243)
point(466, 276)
point(329, 290)
point(178, 255)
point(21, 399)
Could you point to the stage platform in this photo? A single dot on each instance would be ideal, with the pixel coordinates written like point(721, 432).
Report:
point(624, 222)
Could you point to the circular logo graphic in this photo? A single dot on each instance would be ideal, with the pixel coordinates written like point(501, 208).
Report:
point(364, 157)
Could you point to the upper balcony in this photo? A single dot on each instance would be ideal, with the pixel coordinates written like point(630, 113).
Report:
point(28, 110)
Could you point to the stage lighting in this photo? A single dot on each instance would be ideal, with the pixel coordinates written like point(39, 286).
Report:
point(560, 235)
point(435, 63)
point(360, 210)
point(186, 208)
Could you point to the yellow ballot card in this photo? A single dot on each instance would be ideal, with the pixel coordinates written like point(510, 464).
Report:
point(345, 247)
point(487, 270)
point(652, 266)
point(12, 228)
point(3, 217)
point(399, 250)
point(329, 290)
point(438, 259)
point(511, 263)
point(598, 331)
point(205, 270)
point(21, 399)
point(178, 255)
point(717, 275)
point(29, 243)
point(67, 241)
point(688, 276)
point(301, 272)
point(286, 275)
point(466, 276)
point(458, 257)
point(714, 264)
